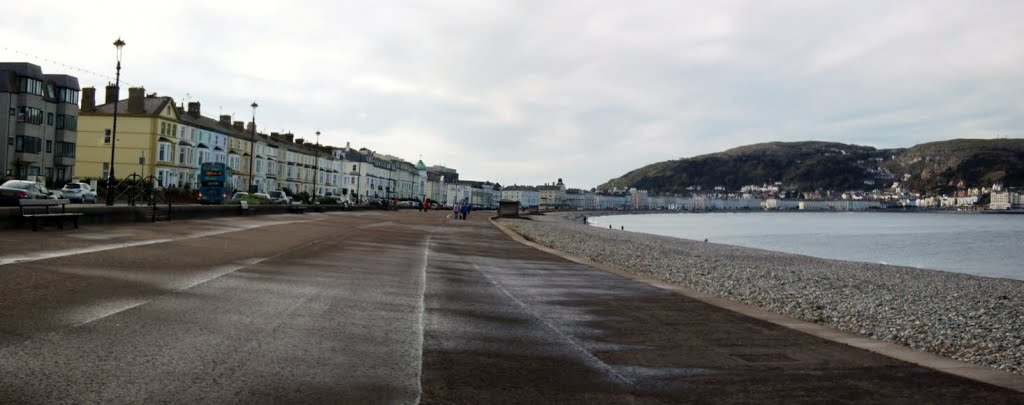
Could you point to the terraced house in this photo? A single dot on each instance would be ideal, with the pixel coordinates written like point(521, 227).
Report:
point(157, 138)
point(39, 117)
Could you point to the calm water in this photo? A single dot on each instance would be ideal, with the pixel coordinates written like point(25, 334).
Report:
point(989, 245)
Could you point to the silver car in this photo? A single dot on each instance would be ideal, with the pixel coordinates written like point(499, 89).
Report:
point(80, 192)
point(279, 197)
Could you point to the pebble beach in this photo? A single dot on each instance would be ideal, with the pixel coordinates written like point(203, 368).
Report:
point(971, 318)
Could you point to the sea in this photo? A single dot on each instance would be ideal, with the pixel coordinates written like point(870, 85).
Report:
point(989, 245)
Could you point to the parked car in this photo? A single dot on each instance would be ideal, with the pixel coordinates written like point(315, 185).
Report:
point(279, 197)
point(264, 197)
point(340, 200)
point(238, 196)
point(13, 190)
point(80, 192)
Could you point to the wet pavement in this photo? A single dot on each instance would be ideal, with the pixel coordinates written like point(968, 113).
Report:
point(391, 307)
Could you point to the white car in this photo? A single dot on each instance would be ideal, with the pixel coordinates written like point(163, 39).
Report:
point(279, 197)
point(79, 192)
point(262, 196)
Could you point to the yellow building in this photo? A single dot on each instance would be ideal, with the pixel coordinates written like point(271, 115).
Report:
point(157, 138)
point(142, 123)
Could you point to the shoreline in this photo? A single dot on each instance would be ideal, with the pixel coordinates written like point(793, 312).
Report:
point(1004, 265)
point(966, 317)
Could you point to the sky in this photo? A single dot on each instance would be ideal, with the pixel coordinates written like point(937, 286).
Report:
point(526, 92)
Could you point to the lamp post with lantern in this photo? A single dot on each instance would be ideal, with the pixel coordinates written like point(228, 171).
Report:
point(316, 165)
point(252, 146)
point(119, 44)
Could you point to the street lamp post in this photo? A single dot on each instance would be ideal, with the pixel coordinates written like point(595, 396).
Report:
point(252, 145)
point(316, 164)
point(119, 44)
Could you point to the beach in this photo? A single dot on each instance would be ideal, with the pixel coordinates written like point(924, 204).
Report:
point(965, 317)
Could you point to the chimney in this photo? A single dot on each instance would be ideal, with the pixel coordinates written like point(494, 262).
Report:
point(249, 127)
point(89, 99)
point(348, 146)
point(239, 125)
point(226, 120)
point(136, 100)
point(275, 135)
point(300, 141)
point(193, 109)
point(111, 96)
point(288, 137)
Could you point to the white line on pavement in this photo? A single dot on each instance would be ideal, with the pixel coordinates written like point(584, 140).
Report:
point(419, 323)
point(31, 257)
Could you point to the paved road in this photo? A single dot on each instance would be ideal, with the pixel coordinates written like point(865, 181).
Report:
point(390, 307)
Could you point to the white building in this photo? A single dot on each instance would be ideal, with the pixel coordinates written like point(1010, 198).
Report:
point(525, 195)
point(1004, 200)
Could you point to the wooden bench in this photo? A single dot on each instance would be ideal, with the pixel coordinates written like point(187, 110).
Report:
point(46, 215)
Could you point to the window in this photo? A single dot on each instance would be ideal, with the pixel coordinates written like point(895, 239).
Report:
point(27, 144)
point(164, 177)
point(49, 119)
point(30, 85)
point(64, 149)
point(163, 128)
point(65, 95)
point(49, 146)
point(30, 115)
point(49, 173)
point(181, 155)
point(164, 152)
point(106, 170)
point(67, 122)
point(106, 139)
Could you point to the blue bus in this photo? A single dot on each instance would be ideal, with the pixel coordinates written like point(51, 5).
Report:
point(213, 182)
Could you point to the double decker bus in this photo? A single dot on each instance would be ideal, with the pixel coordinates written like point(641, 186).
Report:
point(213, 182)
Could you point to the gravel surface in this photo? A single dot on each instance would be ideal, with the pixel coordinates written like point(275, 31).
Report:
point(965, 317)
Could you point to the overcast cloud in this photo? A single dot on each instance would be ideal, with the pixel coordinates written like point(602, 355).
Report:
point(529, 91)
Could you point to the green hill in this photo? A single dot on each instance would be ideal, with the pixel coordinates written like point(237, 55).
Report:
point(940, 166)
point(812, 165)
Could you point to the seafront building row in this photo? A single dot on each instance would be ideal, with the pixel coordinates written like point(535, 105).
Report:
point(53, 140)
point(156, 137)
point(50, 139)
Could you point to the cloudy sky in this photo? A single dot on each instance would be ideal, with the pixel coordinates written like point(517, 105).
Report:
point(529, 91)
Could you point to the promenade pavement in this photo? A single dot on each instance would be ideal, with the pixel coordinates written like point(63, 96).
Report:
point(392, 307)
